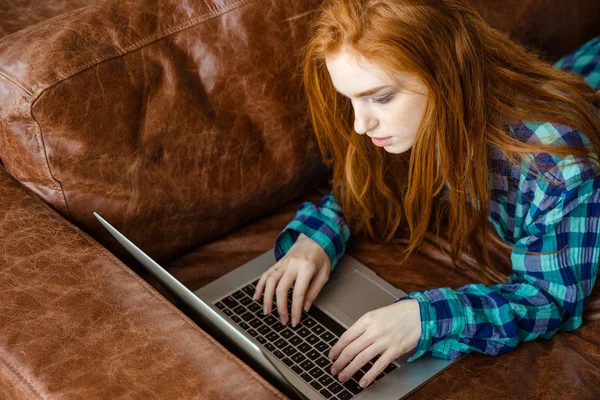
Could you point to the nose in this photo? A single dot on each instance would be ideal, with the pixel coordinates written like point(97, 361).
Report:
point(363, 122)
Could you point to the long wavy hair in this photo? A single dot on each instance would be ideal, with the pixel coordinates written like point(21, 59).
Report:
point(479, 82)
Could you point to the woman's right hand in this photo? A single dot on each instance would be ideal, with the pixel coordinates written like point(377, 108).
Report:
point(306, 263)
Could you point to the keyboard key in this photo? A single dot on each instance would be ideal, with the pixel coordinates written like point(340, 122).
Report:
point(272, 336)
point(238, 294)
point(279, 354)
point(227, 312)
point(295, 340)
point(296, 369)
point(247, 316)
point(378, 377)
point(307, 365)
point(261, 339)
point(312, 339)
point(236, 319)
point(255, 307)
point(365, 368)
point(304, 347)
point(278, 326)
point(325, 380)
point(321, 346)
point(220, 305)
point(306, 377)
point(326, 393)
point(324, 363)
point(270, 320)
point(288, 362)
point(353, 386)
point(290, 350)
point(316, 385)
point(230, 302)
point(249, 290)
point(389, 368)
point(280, 343)
point(344, 395)
point(244, 325)
point(269, 347)
point(358, 375)
point(263, 330)
point(316, 372)
point(255, 323)
point(309, 322)
point(245, 300)
point(335, 387)
point(252, 332)
point(239, 310)
point(286, 333)
point(313, 354)
point(318, 329)
point(303, 332)
point(327, 336)
point(298, 357)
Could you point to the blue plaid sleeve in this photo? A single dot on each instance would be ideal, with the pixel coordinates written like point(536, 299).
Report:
point(584, 61)
point(545, 292)
point(324, 223)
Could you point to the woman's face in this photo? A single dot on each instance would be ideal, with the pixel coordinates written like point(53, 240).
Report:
point(392, 111)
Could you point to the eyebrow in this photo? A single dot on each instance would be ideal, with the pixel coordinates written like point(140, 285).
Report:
point(370, 91)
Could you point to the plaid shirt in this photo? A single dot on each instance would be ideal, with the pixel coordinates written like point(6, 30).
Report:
point(545, 292)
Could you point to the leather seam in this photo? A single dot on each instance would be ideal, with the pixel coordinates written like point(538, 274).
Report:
point(16, 372)
point(44, 157)
point(14, 81)
point(118, 52)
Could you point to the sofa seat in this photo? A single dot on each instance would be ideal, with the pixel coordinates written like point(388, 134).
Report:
point(75, 322)
point(530, 371)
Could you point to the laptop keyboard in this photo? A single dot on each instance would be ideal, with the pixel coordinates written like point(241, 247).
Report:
point(302, 349)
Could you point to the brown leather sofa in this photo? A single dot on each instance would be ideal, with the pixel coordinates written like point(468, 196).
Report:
point(182, 123)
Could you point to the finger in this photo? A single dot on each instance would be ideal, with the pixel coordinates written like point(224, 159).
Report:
point(354, 351)
point(347, 337)
point(376, 369)
point(282, 293)
point(361, 359)
point(299, 293)
point(272, 280)
point(315, 288)
point(259, 286)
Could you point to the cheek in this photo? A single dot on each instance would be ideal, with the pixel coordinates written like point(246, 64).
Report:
point(408, 114)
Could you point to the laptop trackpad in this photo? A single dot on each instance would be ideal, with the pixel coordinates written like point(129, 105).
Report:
point(355, 294)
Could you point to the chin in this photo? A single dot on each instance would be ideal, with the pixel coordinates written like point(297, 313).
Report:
point(396, 149)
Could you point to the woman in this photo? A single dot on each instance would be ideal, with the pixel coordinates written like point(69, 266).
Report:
point(479, 129)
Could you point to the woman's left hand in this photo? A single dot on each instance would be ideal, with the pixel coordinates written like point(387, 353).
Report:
point(390, 331)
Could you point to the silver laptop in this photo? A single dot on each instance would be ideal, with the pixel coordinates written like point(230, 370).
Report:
point(295, 359)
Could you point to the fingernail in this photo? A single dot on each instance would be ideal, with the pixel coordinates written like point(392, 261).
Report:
point(363, 383)
point(333, 371)
point(265, 310)
point(294, 322)
point(306, 306)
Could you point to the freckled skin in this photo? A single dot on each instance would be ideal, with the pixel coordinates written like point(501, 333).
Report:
point(400, 117)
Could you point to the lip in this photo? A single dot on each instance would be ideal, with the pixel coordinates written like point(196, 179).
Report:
point(381, 141)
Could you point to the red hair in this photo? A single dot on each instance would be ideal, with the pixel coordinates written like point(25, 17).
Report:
point(479, 81)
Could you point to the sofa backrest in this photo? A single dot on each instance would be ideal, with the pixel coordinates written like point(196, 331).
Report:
point(177, 121)
point(180, 120)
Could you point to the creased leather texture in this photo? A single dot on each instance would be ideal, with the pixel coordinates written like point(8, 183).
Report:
point(19, 14)
point(565, 367)
point(173, 119)
point(76, 323)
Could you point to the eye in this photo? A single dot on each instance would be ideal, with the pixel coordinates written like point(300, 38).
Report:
point(383, 100)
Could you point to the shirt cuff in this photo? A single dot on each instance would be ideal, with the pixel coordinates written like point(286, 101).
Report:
point(442, 316)
point(318, 225)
